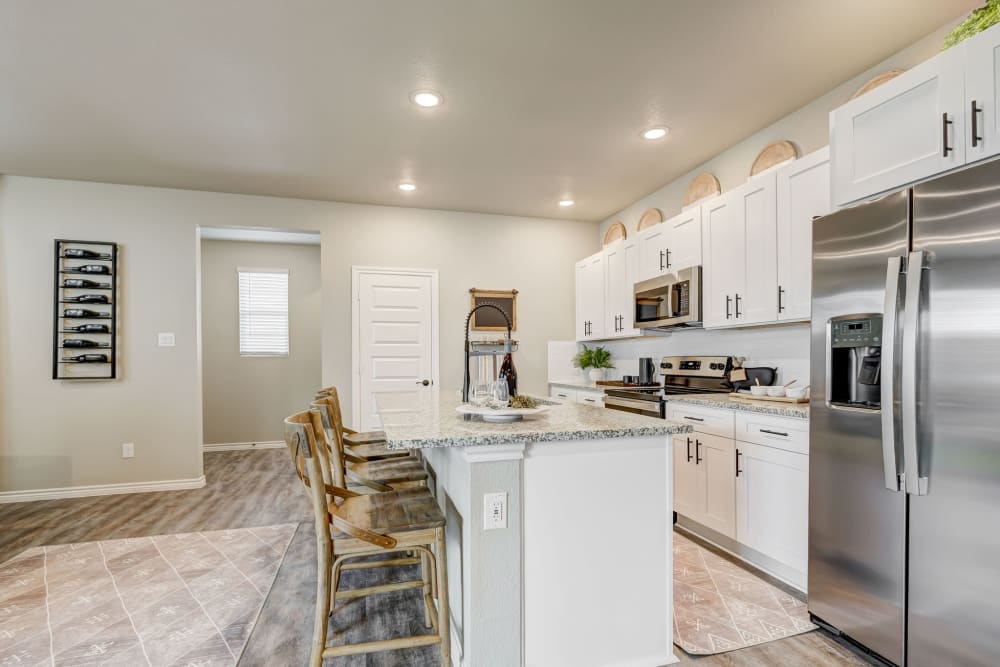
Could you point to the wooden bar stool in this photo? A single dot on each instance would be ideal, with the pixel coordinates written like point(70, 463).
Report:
point(370, 445)
point(349, 525)
point(380, 475)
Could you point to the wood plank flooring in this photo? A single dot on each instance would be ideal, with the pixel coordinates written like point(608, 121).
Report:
point(257, 488)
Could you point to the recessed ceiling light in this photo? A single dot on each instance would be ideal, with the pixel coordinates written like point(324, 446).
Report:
point(566, 202)
point(426, 98)
point(655, 132)
point(407, 187)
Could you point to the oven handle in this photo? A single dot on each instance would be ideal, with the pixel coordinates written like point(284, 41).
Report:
point(645, 406)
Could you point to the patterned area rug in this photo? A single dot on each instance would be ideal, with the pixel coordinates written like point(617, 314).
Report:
point(188, 599)
point(719, 606)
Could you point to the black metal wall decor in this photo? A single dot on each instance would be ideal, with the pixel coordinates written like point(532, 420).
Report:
point(85, 310)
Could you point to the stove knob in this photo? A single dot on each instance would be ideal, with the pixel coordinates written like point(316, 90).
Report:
point(713, 365)
point(666, 364)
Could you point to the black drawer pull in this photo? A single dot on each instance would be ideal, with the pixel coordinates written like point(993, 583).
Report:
point(694, 419)
point(698, 458)
point(738, 471)
point(783, 435)
point(689, 449)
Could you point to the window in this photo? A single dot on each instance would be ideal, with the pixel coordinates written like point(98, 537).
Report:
point(263, 312)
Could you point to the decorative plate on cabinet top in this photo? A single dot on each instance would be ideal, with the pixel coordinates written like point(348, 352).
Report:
point(616, 232)
point(773, 154)
point(704, 185)
point(649, 217)
point(877, 81)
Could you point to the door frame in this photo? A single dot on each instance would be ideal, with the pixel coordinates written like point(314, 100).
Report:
point(356, 273)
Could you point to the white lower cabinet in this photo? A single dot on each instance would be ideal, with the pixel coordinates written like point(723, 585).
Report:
point(772, 505)
point(594, 398)
point(563, 394)
point(704, 466)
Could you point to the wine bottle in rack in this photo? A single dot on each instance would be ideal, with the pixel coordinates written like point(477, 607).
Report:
point(82, 312)
point(87, 298)
point(90, 268)
point(80, 253)
point(90, 328)
point(88, 358)
point(82, 282)
point(79, 342)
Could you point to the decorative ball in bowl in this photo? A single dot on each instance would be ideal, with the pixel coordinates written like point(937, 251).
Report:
point(758, 390)
point(776, 392)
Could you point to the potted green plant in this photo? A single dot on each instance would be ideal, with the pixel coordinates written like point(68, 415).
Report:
point(979, 20)
point(593, 361)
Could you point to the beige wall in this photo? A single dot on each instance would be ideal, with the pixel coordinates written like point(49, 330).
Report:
point(56, 434)
point(807, 127)
point(245, 398)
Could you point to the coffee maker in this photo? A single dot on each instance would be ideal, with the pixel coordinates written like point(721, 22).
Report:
point(854, 361)
point(647, 371)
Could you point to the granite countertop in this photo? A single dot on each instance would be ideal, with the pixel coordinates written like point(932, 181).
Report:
point(727, 402)
point(428, 419)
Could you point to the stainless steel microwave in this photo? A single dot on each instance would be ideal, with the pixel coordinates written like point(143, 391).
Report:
point(669, 301)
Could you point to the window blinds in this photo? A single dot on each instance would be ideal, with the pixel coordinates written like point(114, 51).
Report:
point(263, 312)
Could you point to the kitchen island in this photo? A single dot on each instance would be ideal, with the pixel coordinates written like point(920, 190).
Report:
point(559, 530)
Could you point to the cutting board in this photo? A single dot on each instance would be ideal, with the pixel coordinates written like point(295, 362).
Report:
point(777, 399)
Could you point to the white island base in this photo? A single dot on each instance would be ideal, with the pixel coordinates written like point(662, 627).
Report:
point(581, 575)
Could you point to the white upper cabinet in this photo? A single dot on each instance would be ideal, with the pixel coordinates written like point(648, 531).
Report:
point(903, 131)
point(803, 190)
point(590, 297)
point(684, 246)
point(758, 301)
point(982, 92)
point(724, 254)
point(621, 267)
point(653, 243)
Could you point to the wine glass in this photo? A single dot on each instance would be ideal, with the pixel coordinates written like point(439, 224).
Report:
point(500, 395)
point(480, 395)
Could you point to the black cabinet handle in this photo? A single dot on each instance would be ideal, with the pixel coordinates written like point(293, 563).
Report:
point(698, 458)
point(738, 471)
point(729, 300)
point(781, 291)
point(944, 134)
point(661, 260)
point(738, 314)
point(976, 110)
point(689, 450)
point(783, 435)
point(694, 419)
point(667, 253)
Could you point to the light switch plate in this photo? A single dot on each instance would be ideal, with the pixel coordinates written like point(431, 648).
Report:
point(494, 510)
point(165, 339)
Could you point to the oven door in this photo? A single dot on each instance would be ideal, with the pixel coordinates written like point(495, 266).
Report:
point(669, 301)
point(635, 406)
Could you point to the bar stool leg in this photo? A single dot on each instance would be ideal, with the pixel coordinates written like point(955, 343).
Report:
point(426, 575)
point(444, 625)
point(323, 593)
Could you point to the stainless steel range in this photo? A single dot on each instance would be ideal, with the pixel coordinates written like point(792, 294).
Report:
point(681, 375)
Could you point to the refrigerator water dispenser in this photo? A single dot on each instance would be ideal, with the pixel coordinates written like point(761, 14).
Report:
point(855, 361)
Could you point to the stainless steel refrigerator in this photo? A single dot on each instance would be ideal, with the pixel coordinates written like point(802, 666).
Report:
point(904, 469)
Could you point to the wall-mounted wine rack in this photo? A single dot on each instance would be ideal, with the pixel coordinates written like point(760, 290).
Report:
point(85, 310)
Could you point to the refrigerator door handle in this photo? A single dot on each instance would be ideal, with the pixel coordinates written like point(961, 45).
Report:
point(893, 478)
point(914, 483)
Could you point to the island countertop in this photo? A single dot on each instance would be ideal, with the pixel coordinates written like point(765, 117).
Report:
point(428, 419)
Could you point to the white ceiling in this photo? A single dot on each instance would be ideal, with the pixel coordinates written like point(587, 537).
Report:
point(544, 99)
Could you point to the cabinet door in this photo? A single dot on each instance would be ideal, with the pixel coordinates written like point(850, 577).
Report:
point(621, 265)
point(803, 193)
point(724, 259)
point(652, 251)
point(718, 467)
point(903, 131)
point(590, 297)
point(592, 398)
point(758, 301)
point(772, 504)
point(688, 482)
point(982, 92)
point(684, 247)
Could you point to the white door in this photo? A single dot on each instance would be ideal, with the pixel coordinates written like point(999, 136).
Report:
point(903, 131)
point(772, 504)
point(724, 257)
point(621, 263)
point(653, 251)
point(718, 462)
point(395, 336)
point(758, 302)
point(803, 193)
point(688, 481)
point(982, 92)
point(684, 249)
point(590, 297)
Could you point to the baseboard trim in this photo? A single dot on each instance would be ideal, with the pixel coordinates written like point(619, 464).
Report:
point(230, 446)
point(101, 490)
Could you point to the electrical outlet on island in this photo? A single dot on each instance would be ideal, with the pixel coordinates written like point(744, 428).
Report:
point(494, 510)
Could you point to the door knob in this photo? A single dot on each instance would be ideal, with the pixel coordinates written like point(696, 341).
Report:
point(424, 382)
